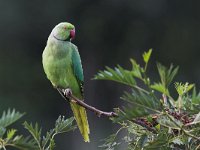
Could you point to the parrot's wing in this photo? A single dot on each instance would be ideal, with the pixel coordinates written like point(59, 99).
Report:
point(77, 67)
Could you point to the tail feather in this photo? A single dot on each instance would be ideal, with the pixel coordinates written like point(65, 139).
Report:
point(81, 119)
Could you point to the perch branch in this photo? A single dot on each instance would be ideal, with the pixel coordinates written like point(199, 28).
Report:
point(98, 112)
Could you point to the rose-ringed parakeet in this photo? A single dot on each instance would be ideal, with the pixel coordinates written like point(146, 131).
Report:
point(62, 65)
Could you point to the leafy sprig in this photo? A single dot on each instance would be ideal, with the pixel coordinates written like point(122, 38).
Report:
point(151, 107)
point(11, 138)
point(62, 125)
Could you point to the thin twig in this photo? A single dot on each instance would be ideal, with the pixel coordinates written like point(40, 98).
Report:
point(182, 129)
point(197, 147)
point(141, 123)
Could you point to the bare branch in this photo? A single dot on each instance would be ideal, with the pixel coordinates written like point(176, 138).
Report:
point(70, 97)
point(98, 112)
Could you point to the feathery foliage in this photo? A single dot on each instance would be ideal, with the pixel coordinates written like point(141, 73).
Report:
point(11, 138)
point(152, 118)
point(9, 117)
point(47, 142)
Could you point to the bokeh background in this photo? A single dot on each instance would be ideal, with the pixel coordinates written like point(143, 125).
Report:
point(108, 32)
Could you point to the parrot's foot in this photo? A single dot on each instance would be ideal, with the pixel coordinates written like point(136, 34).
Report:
point(67, 92)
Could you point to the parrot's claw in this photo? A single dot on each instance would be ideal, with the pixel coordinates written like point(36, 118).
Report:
point(67, 92)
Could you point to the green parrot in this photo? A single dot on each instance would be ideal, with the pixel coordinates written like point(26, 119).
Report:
point(62, 65)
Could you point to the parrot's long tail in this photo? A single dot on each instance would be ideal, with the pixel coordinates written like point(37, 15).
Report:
point(81, 119)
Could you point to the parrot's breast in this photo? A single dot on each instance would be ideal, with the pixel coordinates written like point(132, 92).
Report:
point(57, 65)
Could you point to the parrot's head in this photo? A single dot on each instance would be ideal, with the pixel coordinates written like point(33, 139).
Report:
point(64, 31)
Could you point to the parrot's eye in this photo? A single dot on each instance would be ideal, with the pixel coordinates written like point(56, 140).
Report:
point(65, 28)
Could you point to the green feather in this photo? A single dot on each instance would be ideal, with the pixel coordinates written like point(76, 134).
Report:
point(76, 62)
point(77, 67)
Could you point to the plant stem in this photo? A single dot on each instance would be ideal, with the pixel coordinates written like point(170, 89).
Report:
point(141, 123)
point(197, 147)
point(181, 128)
point(140, 89)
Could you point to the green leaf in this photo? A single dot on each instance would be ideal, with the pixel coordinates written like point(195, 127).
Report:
point(194, 107)
point(169, 122)
point(147, 55)
point(177, 141)
point(109, 142)
point(159, 143)
point(64, 125)
point(136, 69)
point(47, 138)
point(196, 119)
point(166, 75)
point(183, 88)
point(157, 127)
point(160, 88)
point(196, 130)
point(9, 117)
point(195, 97)
point(191, 103)
point(118, 74)
point(10, 134)
point(136, 129)
point(143, 140)
point(35, 131)
point(2, 131)
point(22, 143)
point(139, 105)
point(52, 144)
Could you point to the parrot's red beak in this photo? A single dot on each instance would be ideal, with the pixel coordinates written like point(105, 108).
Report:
point(72, 34)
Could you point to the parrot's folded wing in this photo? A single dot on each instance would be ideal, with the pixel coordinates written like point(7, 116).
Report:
point(77, 67)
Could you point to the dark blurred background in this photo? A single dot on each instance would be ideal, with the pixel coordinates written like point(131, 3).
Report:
point(108, 32)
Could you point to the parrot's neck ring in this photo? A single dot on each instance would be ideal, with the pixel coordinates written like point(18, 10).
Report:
point(68, 39)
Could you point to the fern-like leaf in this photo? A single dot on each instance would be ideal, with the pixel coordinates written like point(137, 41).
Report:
point(169, 122)
point(166, 75)
point(136, 70)
point(35, 131)
point(2, 131)
point(22, 143)
point(159, 143)
point(139, 105)
point(64, 125)
point(10, 134)
point(9, 117)
point(146, 57)
point(118, 74)
point(183, 88)
point(160, 88)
